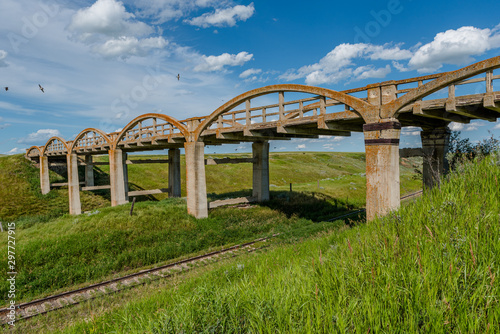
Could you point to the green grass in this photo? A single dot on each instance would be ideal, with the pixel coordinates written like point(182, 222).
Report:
point(56, 251)
point(431, 267)
point(340, 176)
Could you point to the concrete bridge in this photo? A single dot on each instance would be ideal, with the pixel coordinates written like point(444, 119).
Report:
point(378, 110)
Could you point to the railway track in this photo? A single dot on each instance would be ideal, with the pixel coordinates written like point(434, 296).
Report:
point(44, 305)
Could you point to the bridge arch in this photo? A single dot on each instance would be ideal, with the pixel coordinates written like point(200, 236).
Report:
point(34, 151)
point(55, 144)
point(359, 106)
point(448, 78)
point(99, 137)
point(168, 119)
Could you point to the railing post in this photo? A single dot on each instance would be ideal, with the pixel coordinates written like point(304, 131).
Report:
point(117, 177)
point(434, 146)
point(260, 153)
point(196, 186)
point(174, 172)
point(75, 207)
point(44, 174)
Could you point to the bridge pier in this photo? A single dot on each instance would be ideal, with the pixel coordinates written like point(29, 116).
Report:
point(174, 172)
point(118, 175)
point(196, 186)
point(434, 146)
point(260, 154)
point(44, 174)
point(75, 207)
point(89, 171)
point(382, 167)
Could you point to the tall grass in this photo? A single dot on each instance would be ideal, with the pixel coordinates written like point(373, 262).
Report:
point(431, 267)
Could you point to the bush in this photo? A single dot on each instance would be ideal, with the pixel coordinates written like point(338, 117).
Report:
point(461, 149)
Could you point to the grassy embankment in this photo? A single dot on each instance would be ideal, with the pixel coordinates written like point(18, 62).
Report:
point(54, 254)
point(431, 267)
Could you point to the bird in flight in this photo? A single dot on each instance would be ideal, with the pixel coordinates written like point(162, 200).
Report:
point(178, 77)
point(41, 88)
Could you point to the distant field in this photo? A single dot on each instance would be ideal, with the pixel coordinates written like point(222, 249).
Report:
point(338, 177)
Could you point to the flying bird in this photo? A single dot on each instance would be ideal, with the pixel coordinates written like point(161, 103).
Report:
point(178, 77)
point(41, 88)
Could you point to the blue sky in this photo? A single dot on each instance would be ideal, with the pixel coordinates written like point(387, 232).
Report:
point(101, 63)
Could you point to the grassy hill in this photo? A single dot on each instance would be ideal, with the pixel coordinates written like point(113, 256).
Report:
point(56, 251)
point(431, 267)
point(340, 176)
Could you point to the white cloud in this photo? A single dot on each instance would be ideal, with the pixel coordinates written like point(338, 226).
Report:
point(217, 63)
point(40, 137)
point(411, 131)
point(249, 72)
point(162, 11)
point(223, 17)
point(454, 47)
point(497, 127)
point(109, 18)
point(338, 64)
point(125, 47)
point(366, 72)
point(456, 126)
point(16, 150)
point(3, 55)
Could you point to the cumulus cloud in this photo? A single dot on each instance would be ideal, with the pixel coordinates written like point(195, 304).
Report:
point(455, 47)
point(125, 47)
point(109, 18)
point(301, 146)
point(339, 63)
point(465, 127)
point(250, 72)
point(223, 17)
point(411, 131)
point(217, 63)
point(40, 137)
point(497, 127)
point(3, 55)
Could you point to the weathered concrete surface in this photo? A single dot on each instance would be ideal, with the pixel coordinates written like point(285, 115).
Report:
point(382, 168)
point(117, 177)
point(260, 153)
point(75, 207)
point(195, 179)
point(174, 172)
point(434, 146)
point(44, 174)
point(89, 171)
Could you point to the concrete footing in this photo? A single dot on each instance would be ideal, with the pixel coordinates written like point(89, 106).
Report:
point(260, 153)
point(434, 146)
point(382, 168)
point(118, 176)
point(196, 187)
point(44, 175)
point(174, 172)
point(75, 207)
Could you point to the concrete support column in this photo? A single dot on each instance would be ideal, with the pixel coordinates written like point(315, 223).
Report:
point(125, 175)
point(434, 146)
point(117, 175)
point(75, 207)
point(89, 171)
point(196, 186)
point(44, 175)
point(174, 172)
point(382, 167)
point(260, 154)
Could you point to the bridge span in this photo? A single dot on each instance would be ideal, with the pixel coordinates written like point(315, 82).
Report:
point(378, 110)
